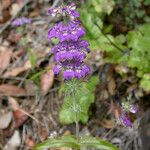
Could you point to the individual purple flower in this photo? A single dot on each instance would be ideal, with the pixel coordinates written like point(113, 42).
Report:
point(69, 74)
point(82, 71)
point(57, 69)
point(124, 119)
point(133, 108)
point(21, 21)
point(70, 11)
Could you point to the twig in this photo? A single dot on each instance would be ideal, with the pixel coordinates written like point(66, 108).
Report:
point(108, 38)
point(9, 22)
point(32, 117)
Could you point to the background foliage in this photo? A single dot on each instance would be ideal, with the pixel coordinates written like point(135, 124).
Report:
point(132, 48)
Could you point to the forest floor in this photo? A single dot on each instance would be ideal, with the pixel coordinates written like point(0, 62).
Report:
point(29, 92)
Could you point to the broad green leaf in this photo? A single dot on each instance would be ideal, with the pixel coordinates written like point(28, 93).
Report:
point(145, 82)
point(71, 141)
point(64, 141)
point(92, 142)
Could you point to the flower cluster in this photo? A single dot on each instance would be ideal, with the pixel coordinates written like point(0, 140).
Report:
point(21, 21)
point(124, 118)
point(70, 52)
point(68, 11)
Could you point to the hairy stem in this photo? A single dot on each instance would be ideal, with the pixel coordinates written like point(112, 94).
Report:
point(72, 88)
point(76, 115)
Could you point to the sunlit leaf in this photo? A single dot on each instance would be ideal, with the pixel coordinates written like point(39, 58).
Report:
point(64, 141)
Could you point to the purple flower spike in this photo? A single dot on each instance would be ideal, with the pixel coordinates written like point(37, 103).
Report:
point(70, 52)
point(133, 109)
point(124, 119)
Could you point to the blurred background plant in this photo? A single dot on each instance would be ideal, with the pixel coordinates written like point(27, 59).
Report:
point(130, 45)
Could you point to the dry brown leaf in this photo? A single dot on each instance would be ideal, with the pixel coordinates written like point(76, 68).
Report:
point(5, 56)
point(5, 119)
point(107, 124)
point(13, 103)
point(20, 117)
point(11, 90)
point(6, 16)
point(111, 86)
point(6, 3)
point(16, 71)
point(29, 142)
point(14, 142)
point(47, 80)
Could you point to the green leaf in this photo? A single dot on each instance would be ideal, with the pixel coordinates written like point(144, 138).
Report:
point(84, 97)
point(32, 58)
point(145, 82)
point(64, 141)
point(92, 142)
point(146, 2)
point(139, 42)
point(71, 141)
point(107, 6)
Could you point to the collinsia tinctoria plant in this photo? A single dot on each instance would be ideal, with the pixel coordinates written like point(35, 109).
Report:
point(70, 52)
point(69, 56)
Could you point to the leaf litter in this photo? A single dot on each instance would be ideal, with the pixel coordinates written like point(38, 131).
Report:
point(29, 106)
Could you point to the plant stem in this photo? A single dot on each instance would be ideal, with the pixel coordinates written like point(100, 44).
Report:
point(76, 115)
point(77, 124)
point(118, 48)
